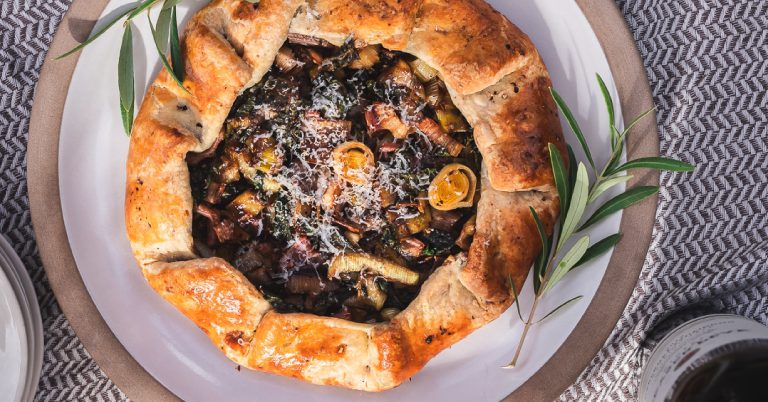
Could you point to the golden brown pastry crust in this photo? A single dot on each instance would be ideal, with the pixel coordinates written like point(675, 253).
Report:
point(495, 77)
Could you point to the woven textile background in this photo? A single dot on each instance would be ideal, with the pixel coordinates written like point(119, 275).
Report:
point(707, 62)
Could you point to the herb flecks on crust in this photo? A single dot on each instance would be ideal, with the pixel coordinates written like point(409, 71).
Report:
point(341, 181)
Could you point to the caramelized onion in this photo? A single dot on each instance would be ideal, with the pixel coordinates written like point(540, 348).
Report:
point(382, 116)
point(285, 60)
point(411, 246)
point(315, 123)
point(316, 58)
point(400, 75)
point(309, 284)
point(223, 229)
point(434, 92)
point(214, 192)
point(421, 222)
point(445, 220)
point(367, 57)
point(353, 161)
point(436, 134)
point(454, 187)
point(352, 237)
point(227, 170)
point(260, 114)
point(333, 190)
point(387, 198)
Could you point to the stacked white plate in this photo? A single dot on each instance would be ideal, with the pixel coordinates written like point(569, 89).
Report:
point(21, 329)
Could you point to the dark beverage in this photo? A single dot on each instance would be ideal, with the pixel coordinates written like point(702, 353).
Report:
point(716, 357)
point(735, 375)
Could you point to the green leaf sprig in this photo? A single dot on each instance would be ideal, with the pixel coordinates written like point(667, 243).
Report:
point(165, 35)
point(576, 194)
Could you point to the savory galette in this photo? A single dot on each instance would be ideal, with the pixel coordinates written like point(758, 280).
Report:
point(343, 189)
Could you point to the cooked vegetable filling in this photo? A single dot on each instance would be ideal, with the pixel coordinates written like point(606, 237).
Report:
point(341, 181)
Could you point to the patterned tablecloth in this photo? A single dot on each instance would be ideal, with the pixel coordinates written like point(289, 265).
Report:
point(707, 62)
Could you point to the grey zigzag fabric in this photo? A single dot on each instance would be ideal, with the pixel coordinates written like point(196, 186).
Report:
point(26, 30)
point(707, 61)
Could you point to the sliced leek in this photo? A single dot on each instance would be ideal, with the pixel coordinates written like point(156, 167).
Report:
point(353, 161)
point(434, 92)
point(454, 187)
point(423, 70)
point(358, 262)
point(369, 291)
point(382, 116)
point(451, 120)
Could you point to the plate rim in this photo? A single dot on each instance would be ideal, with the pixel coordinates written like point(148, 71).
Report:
point(561, 369)
point(16, 308)
point(23, 286)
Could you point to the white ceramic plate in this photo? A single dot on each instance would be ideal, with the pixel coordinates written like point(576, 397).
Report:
point(14, 354)
point(92, 171)
point(11, 265)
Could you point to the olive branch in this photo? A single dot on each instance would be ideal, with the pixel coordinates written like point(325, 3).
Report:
point(165, 35)
point(576, 193)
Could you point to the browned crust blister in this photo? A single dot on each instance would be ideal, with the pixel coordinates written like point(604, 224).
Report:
point(495, 77)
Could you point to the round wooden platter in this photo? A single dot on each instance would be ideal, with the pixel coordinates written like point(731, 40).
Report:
point(557, 374)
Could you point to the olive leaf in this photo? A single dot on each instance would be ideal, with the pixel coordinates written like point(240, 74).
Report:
point(176, 60)
point(125, 80)
point(598, 249)
point(576, 206)
point(571, 170)
point(163, 58)
point(656, 162)
point(611, 110)
point(561, 178)
point(570, 259)
point(605, 185)
point(566, 111)
point(620, 202)
point(561, 306)
point(163, 26)
point(541, 261)
point(126, 117)
point(517, 298)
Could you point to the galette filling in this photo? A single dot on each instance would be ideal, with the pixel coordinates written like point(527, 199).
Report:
point(340, 181)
